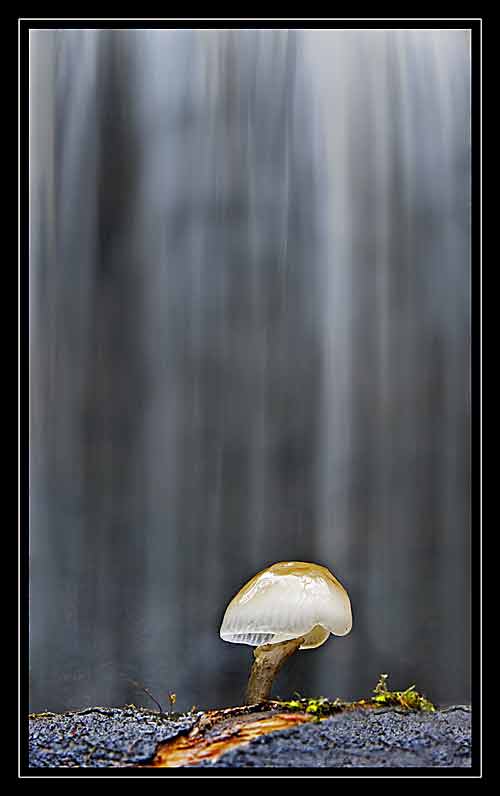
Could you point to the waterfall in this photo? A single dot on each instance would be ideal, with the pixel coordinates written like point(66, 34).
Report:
point(249, 342)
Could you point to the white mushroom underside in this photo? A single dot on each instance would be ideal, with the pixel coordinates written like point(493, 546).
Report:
point(314, 638)
point(255, 639)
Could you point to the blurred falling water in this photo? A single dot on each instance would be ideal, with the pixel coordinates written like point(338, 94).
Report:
point(249, 314)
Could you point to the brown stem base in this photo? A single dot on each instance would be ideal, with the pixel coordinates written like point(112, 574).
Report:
point(269, 658)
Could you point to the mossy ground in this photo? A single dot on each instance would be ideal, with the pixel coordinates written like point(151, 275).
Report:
point(320, 707)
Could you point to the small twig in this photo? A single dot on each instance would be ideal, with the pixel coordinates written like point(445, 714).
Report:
point(146, 691)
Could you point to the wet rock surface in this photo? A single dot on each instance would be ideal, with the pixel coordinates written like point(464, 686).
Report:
point(375, 739)
point(128, 737)
point(101, 737)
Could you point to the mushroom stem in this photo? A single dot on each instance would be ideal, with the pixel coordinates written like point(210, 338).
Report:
point(269, 658)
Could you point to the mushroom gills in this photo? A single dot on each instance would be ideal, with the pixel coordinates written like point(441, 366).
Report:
point(314, 638)
point(255, 639)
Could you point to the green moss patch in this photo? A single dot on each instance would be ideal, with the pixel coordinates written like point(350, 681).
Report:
point(320, 707)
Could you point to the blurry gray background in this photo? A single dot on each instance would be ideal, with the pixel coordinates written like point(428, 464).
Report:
point(249, 342)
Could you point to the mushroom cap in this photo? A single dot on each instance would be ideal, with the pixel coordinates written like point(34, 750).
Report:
point(288, 600)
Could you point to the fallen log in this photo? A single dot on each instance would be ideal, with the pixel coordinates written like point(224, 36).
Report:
point(271, 735)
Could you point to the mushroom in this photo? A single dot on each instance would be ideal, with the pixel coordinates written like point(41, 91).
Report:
point(290, 605)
